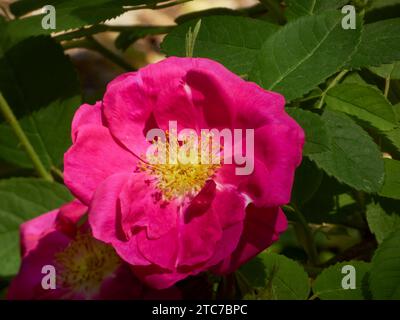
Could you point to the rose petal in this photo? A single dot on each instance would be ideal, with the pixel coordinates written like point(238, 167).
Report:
point(256, 107)
point(209, 95)
point(127, 109)
point(262, 227)
point(159, 278)
point(103, 219)
point(27, 284)
point(94, 156)
point(174, 103)
point(86, 115)
point(142, 206)
point(33, 230)
point(121, 285)
point(69, 216)
point(277, 153)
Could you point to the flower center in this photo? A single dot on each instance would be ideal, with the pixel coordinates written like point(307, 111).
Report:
point(181, 180)
point(181, 169)
point(85, 263)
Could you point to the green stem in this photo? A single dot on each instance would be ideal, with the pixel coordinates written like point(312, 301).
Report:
point(360, 199)
point(57, 172)
point(110, 55)
point(313, 297)
point(92, 44)
point(156, 7)
point(360, 251)
point(330, 86)
point(308, 243)
point(313, 271)
point(92, 30)
point(191, 37)
point(82, 32)
point(311, 97)
point(15, 126)
point(387, 87)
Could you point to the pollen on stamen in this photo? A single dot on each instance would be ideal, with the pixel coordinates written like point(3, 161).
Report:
point(180, 180)
point(85, 263)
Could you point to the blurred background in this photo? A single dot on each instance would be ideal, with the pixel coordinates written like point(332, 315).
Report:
point(96, 71)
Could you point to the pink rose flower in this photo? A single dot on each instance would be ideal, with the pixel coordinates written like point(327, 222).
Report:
point(169, 221)
point(85, 268)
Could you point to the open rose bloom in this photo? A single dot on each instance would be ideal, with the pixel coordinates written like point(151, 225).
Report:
point(85, 268)
point(169, 221)
point(153, 223)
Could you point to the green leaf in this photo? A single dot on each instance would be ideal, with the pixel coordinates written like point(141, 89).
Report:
point(321, 207)
point(396, 108)
point(377, 4)
point(366, 103)
point(381, 223)
point(288, 59)
point(317, 139)
point(394, 137)
point(391, 185)
point(354, 77)
point(23, 199)
point(276, 277)
point(22, 7)
point(391, 71)
point(308, 179)
point(41, 86)
point(328, 284)
point(299, 8)
point(353, 157)
point(70, 14)
point(385, 271)
point(232, 41)
point(380, 44)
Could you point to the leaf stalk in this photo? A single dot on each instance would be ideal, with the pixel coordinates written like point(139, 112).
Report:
point(19, 132)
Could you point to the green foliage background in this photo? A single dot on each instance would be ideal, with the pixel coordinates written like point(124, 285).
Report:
point(342, 86)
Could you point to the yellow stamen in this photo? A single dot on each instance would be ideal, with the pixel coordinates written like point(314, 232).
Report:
point(180, 180)
point(85, 263)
